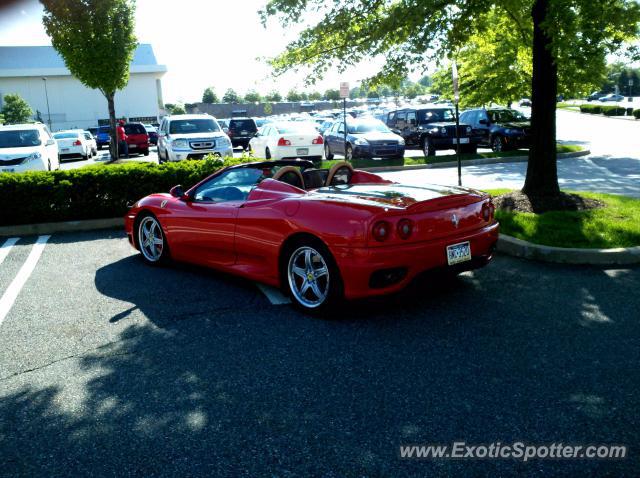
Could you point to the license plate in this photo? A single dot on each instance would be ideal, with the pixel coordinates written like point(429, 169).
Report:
point(244, 133)
point(65, 150)
point(462, 140)
point(133, 145)
point(302, 151)
point(457, 253)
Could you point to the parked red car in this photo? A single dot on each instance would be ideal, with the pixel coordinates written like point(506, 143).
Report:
point(321, 235)
point(137, 138)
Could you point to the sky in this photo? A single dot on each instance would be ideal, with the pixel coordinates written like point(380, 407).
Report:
point(203, 43)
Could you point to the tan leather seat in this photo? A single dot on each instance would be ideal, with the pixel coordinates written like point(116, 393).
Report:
point(290, 175)
point(332, 180)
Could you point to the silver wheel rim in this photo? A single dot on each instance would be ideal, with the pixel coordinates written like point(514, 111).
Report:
point(326, 150)
point(349, 152)
point(308, 276)
point(426, 147)
point(150, 239)
point(497, 145)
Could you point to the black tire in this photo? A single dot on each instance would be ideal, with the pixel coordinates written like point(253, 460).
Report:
point(160, 158)
point(146, 153)
point(327, 152)
point(469, 149)
point(427, 147)
point(267, 154)
point(99, 147)
point(85, 157)
point(349, 152)
point(137, 228)
point(497, 144)
point(48, 165)
point(332, 285)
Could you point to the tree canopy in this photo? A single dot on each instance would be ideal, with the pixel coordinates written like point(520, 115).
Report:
point(209, 96)
point(95, 38)
point(16, 110)
point(230, 96)
point(253, 96)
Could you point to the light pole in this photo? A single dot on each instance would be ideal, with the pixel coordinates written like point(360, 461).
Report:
point(46, 94)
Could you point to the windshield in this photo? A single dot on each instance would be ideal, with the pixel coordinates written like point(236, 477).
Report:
point(22, 138)
point(435, 115)
point(65, 135)
point(367, 127)
point(186, 126)
point(502, 116)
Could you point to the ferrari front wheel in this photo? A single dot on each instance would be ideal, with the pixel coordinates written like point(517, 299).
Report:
point(151, 240)
point(313, 280)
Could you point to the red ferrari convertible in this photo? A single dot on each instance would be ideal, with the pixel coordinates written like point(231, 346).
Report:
point(322, 235)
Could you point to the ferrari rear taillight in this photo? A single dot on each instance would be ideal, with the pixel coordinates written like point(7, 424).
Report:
point(488, 209)
point(318, 140)
point(381, 231)
point(284, 142)
point(405, 229)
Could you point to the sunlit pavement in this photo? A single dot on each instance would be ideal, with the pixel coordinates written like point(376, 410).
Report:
point(111, 367)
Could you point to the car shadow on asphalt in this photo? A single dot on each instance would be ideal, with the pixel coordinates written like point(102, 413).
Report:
point(517, 351)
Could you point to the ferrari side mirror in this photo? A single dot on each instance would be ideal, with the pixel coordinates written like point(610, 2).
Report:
point(177, 191)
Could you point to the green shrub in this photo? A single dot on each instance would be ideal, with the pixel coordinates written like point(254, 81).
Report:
point(613, 110)
point(636, 114)
point(591, 109)
point(93, 192)
point(629, 111)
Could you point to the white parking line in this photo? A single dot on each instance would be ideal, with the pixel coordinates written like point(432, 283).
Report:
point(274, 295)
point(11, 294)
point(6, 247)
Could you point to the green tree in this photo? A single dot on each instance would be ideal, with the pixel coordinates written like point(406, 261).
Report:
point(293, 96)
point(16, 110)
point(425, 81)
point(414, 90)
point(315, 96)
point(230, 96)
point(564, 36)
point(274, 96)
point(332, 95)
point(175, 108)
point(253, 96)
point(209, 96)
point(96, 39)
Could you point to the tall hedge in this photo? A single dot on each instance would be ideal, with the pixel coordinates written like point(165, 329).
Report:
point(636, 114)
point(93, 192)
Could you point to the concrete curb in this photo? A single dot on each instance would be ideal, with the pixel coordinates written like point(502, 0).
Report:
point(561, 255)
point(470, 162)
point(68, 226)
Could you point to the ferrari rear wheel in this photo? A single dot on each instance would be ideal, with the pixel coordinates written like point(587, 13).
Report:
point(313, 280)
point(151, 240)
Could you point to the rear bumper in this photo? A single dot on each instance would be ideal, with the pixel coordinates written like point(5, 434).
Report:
point(450, 142)
point(360, 267)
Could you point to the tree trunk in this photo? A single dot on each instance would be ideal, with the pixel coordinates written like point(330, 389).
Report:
point(542, 172)
point(113, 147)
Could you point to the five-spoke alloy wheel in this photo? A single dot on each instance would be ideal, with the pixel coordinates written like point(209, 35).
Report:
point(151, 241)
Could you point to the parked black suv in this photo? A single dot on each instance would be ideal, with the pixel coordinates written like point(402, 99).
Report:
point(241, 130)
point(431, 128)
point(500, 129)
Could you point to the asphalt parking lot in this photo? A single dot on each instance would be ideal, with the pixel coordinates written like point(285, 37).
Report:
point(111, 367)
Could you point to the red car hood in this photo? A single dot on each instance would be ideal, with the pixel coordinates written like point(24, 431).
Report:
point(396, 196)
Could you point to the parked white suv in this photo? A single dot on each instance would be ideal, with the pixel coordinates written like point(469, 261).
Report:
point(27, 147)
point(191, 137)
